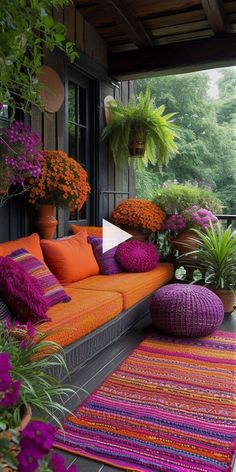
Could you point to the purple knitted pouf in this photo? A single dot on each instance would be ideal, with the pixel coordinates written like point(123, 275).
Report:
point(186, 310)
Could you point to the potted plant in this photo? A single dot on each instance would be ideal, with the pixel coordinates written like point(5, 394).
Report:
point(20, 160)
point(174, 197)
point(139, 129)
point(25, 357)
point(138, 217)
point(215, 257)
point(62, 183)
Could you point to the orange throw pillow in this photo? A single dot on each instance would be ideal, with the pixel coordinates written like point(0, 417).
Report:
point(95, 231)
point(70, 259)
point(30, 243)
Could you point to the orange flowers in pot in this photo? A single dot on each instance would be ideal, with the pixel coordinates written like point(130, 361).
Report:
point(138, 213)
point(63, 182)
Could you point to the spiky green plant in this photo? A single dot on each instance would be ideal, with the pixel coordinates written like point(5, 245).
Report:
point(32, 358)
point(148, 123)
point(215, 256)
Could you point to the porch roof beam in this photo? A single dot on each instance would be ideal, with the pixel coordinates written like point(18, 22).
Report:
point(124, 17)
point(215, 14)
point(217, 51)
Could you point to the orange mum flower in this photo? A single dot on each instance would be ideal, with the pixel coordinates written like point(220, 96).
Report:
point(138, 213)
point(63, 182)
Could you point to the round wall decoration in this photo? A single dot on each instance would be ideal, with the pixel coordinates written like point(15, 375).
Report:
point(52, 92)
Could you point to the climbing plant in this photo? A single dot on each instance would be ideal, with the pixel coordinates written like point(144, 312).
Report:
point(27, 28)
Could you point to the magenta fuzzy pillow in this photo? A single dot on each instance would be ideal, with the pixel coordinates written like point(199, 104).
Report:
point(136, 256)
point(52, 290)
point(21, 292)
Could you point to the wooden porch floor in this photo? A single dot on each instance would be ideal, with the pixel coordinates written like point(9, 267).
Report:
point(93, 374)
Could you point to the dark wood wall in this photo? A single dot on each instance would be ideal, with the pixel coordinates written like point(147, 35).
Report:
point(109, 183)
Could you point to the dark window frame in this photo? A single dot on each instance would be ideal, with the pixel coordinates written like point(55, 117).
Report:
point(74, 74)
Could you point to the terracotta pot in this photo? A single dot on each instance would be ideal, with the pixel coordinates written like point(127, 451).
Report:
point(46, 222)
point(138, 233)
point(184, 244)
point(227, 298)
point(14, 448)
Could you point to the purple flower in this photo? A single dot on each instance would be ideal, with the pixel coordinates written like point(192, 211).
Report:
point(28, 460)
point(40, 435)
point(174, 224)
point(11, 395)
point(5, 381)
point(22, 158)
point(58, 464)
point(5, 363)
point(30, 330)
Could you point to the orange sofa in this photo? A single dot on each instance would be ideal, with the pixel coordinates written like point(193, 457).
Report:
point(102, 307)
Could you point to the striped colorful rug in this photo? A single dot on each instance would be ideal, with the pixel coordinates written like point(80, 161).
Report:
point(170, 406)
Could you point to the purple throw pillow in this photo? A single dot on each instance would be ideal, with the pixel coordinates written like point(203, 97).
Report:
point(137, 256)
point(51, 288)
point(107, 261)
point(21, 292)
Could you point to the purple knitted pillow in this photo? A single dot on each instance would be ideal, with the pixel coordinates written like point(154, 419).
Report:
point(136, 256)
point(51, 288)
point(107, 262)
point(21, 292)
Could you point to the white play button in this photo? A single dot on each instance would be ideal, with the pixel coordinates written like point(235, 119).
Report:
point(112, 235)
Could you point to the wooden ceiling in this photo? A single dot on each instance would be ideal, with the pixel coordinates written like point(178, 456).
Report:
point(136, 30)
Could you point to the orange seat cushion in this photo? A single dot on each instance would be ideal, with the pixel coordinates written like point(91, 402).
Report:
point(70, 259)
point(133, 287)
point(30, 243)
point(95, 231)
point(84, 313)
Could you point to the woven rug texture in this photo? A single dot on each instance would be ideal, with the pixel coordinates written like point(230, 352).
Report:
point(170, 407)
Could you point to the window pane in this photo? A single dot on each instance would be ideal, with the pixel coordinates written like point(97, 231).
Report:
point(82, 106)
point(82, 145)
point(72, 141)
point(72, 102)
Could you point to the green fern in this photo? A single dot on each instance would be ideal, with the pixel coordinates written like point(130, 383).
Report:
point(148, 123)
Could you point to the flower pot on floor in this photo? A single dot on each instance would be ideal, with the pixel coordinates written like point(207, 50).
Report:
point(46, 222)
point(8, 435)
point(227, 298)
point(184, 243)
point(137, 233)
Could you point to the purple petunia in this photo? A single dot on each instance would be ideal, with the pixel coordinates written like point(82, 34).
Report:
point(58, 464)
point(5, 362)
point(40, 435)
point(9, 389)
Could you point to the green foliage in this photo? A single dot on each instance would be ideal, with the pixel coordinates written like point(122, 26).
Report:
point(148, 123)
point(177, 197)
point(30, 364)
point(216, 256)
point(207, 142)
point(26, 29)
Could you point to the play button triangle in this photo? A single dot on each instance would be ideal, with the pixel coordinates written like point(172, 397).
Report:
point(112, 236)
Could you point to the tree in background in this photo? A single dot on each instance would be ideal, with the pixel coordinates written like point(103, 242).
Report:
point(207, 143)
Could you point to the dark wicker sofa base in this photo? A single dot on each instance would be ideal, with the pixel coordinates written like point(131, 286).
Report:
point(80, 352)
